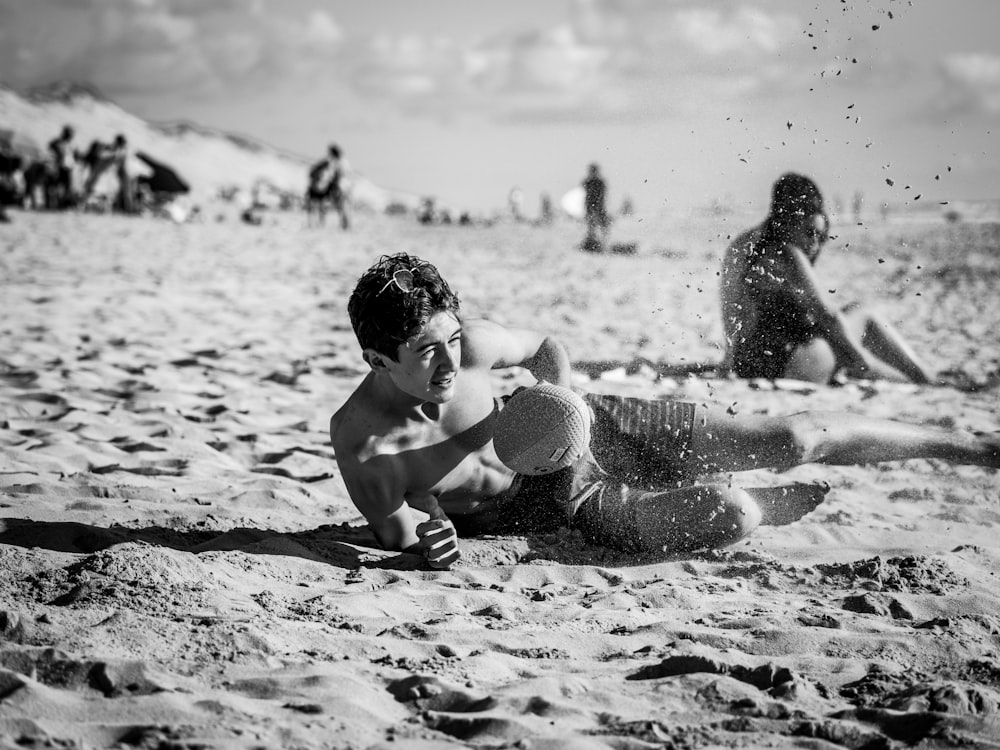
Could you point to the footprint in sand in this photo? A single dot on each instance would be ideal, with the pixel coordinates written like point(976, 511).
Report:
point(429, 693)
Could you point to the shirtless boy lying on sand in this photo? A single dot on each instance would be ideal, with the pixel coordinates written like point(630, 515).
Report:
point(417, 435)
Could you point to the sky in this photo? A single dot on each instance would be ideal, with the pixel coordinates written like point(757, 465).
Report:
point(682, 103)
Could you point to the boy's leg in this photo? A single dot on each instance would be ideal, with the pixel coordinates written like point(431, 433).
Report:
point(690, 518)
point(724, 442)
point(787, 503)
point(648, 444)
point(673, 521)
point(645, 444)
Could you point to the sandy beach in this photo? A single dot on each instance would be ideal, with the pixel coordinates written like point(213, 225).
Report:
point(181, 566)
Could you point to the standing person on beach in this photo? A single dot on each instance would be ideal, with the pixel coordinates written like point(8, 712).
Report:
point(778, 324)
point(61, 148)
point(515, 202)
point(119, 162)
point(545, 215)
point(11, 180)
point(103, 158)
point(326, 185)
point(595, 192)
point(414, 442)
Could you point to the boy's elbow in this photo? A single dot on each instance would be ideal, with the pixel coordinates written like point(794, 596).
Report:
point(394, 533)
point(385, 542)
point(385, 538)
point(554, 346)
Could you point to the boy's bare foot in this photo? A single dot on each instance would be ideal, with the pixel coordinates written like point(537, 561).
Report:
point(788, 503)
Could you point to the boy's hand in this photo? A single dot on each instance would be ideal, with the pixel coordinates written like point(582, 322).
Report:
point(438, 538)
point(439, 542)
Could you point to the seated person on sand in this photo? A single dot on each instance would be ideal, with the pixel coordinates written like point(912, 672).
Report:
point(778, 323)
point(414, 442)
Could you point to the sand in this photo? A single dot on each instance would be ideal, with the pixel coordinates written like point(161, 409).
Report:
point(180, 565)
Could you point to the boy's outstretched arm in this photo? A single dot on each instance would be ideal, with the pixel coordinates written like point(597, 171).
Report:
point(377, 493)
point(493, 345)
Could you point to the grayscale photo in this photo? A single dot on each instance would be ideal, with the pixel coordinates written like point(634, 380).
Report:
point(557, 375)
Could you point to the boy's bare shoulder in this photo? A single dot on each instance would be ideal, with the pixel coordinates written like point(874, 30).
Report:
point(361, 430)
point(350, 426)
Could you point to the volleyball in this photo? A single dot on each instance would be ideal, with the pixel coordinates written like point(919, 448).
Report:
point(542, 429)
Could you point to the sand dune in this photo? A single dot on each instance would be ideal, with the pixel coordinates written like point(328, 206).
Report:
point(180, 565)
point(211, 161)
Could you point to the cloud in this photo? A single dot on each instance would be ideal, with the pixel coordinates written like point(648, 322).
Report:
point(553, 61)
point(743, 33)
point(606, 60)
point(972, 82)
point(404, 66)
point(627, 60)
point(322, 29)
point(186, 46)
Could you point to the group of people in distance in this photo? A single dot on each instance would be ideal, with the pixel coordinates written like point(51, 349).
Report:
point(414, 443)
point(103, 177)
point(67, 177)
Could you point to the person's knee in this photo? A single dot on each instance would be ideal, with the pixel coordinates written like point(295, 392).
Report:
point(736, 515)
point(798, 436)
point(814, 362)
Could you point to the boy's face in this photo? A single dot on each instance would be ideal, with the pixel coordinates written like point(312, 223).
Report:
point(429, 362)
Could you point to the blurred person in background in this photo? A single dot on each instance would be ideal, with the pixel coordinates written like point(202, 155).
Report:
point(779, 324)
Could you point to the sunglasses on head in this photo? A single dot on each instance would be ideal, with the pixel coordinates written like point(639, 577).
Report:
point(403, 279)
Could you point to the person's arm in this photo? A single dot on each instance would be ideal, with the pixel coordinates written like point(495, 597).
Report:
point(376, 489)
point(492, 345)
point(377, 492)
point(802, 283)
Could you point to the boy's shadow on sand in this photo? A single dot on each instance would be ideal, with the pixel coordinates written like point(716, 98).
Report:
point(340, 545)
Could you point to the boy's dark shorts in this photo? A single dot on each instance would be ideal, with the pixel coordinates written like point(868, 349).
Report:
point(635, 444)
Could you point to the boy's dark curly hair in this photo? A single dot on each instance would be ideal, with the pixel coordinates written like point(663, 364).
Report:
point(384, 316)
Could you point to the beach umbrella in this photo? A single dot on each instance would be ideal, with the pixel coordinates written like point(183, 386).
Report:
point(163, 179)
point(573, 202)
